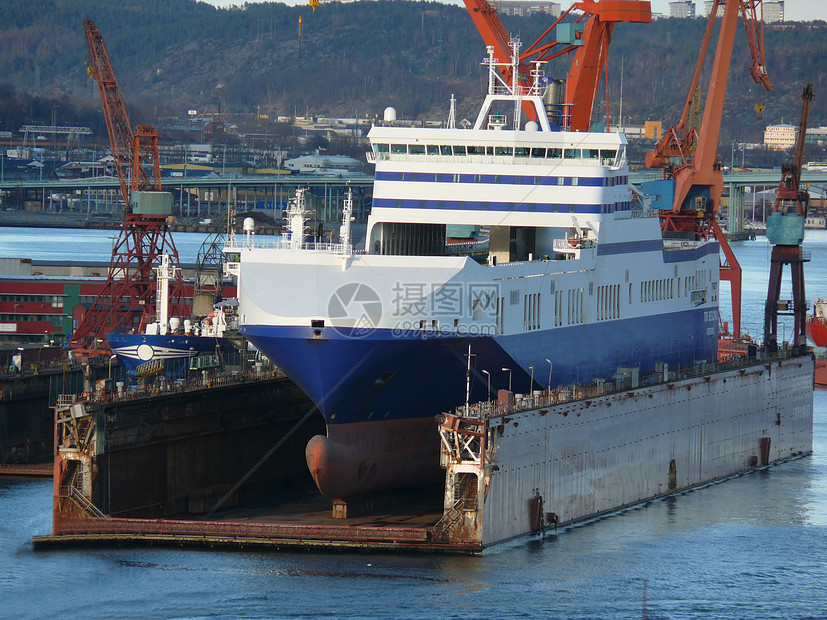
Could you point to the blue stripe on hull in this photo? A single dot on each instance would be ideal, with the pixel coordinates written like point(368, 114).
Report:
point(383, 376)
point(133, 350)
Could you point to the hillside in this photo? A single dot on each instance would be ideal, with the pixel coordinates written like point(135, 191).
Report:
point(355, 58)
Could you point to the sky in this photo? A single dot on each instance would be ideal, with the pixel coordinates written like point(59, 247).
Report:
point(794, 10)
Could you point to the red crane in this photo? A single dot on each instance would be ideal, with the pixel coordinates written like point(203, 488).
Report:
point(589, 41)
point(127, 301)
point(689, 155)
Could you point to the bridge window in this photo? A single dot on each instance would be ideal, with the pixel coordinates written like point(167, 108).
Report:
point(554, 153)
point(416, 149)
point(571, 153)
point(399, 149)
point(433, 149)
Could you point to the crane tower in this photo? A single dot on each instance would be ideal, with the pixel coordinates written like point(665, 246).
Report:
point(128, 299)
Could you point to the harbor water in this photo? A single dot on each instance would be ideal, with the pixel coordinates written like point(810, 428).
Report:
point(752, 547)
point(79, 244)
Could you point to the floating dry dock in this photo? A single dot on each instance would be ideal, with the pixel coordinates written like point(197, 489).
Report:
point(514, 466)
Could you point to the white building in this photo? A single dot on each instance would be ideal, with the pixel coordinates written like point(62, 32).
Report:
point(324, 164)
point(528, 7)
point(682, 8)
point(773, 11)
point(780, 137)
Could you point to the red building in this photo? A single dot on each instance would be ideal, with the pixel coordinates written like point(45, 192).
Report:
point(47, 308)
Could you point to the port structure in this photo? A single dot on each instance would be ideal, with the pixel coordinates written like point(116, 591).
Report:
point(129, 297)
point(688, 154)
point(785, 231)
point(588, 36)
point(515, 467)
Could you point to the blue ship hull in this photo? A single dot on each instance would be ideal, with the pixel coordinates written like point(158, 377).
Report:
point(372, 377)
point(136, 351)
point(380, 392)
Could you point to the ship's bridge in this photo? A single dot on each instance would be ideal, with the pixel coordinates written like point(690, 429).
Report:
point(444, 146)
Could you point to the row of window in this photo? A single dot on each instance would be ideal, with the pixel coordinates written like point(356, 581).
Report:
point(454, 150)
point(575, 306)
point(531, 312)
point(657, 290)
point(54, 319)
point(55, 300)
point(608, 302)
point(89, 299)
point(22, 338)
point(665, 288)
point(502, 179)
point(507, 207)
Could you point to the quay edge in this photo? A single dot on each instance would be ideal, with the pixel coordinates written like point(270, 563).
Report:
point(527, 467)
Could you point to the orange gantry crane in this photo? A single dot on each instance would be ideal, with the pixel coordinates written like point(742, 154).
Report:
point(588, 37)
point(689, 155)
point(128, 299)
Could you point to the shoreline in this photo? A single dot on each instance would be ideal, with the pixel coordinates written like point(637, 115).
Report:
point(80, 221)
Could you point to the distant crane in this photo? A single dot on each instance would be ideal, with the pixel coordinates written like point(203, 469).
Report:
point(785, 231)
point(589, 40)
point(127, 300)
point(688, 155)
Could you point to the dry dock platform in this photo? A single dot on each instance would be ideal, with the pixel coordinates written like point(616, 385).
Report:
point(515, 466)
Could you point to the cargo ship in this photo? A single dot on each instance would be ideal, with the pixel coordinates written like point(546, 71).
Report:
point(578, 280)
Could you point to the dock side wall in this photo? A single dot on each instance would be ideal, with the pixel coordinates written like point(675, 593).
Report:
point(181, 453)
point(573, 461)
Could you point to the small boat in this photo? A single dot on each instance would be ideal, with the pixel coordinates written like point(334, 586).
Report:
point(817, 323)
point(174, 348)
point(185, 348)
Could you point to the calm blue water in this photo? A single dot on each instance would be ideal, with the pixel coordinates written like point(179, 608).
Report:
point(752, 547)
point(57, 244)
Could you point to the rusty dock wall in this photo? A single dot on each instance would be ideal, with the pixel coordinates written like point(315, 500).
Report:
point(175, 453)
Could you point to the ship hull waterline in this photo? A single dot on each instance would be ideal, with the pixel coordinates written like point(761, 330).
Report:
point(377, 440)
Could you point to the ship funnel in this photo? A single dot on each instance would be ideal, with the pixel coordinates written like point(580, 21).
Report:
point(555, 94)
